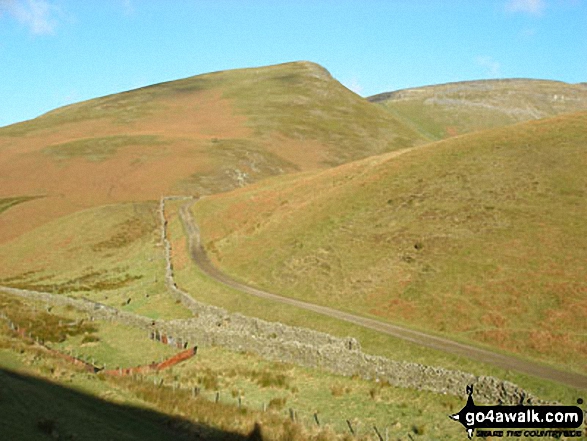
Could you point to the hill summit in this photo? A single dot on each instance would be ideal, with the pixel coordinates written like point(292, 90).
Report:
point(199, 135)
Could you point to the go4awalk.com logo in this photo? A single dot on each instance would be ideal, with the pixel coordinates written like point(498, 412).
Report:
point(527, 421)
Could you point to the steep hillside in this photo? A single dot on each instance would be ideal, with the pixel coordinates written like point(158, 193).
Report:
point(198, 135)
point(446, 110)
point(480, 237)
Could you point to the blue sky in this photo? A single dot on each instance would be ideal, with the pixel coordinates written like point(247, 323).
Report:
point(56, 52)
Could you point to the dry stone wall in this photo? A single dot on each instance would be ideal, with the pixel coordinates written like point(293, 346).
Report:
point(94, 310)
point(213, 326)
point(278, 342)
point(274, 341)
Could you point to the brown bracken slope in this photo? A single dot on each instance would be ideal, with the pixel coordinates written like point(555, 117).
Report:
point(198, 135)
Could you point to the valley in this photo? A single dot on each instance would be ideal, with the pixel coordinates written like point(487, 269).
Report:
point(339, 262)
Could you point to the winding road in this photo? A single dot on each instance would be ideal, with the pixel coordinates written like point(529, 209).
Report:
point(503, 361)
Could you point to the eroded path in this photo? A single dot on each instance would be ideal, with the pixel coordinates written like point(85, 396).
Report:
point(503, 361)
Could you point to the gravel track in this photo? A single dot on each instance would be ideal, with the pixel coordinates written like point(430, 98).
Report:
point(503, 361)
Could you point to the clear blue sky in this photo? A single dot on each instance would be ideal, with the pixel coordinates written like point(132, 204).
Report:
point(55, 52)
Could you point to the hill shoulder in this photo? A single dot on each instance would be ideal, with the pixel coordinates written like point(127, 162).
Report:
point(451, 109)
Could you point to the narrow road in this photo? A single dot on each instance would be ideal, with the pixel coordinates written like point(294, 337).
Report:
point(430, 341)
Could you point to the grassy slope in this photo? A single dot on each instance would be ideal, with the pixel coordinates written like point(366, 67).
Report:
point(102, 343)
point(189, 277)
point(82, 406)
point(202, 134)
point(94, 407)
point(27, 415)
point(451, 109)
point(480, 237)
point(43, 398)
point(109, 254)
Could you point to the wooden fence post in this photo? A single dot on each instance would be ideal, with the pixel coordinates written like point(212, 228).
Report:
point(377, 432)
point(350, 427)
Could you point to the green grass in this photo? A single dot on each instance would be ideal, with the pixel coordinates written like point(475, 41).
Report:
point(480, 238)
point(27, 415)
point(118, 346)
point(257, 382)
point(40, 324)
point(99, 342)
point(234, 375)
point(100, 148)
point(489, 227)
point(109, 254)
point(308, 391)
point(202, 288)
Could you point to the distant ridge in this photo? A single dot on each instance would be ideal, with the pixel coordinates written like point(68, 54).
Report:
point(450, 109)
point(387, 95)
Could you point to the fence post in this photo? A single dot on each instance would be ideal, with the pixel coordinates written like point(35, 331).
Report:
point(377, 432)
point(350, 427)
point(316, 418)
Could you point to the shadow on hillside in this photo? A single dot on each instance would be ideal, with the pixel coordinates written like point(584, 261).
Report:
point(32, 408)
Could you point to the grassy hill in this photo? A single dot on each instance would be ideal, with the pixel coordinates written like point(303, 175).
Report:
point(446, 110)
point(479, 237)
point(201, 135)
point(108, 254)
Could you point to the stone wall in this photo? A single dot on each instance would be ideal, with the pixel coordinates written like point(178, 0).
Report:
point(278, 342)
point(213, 326)
point(94, 310)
